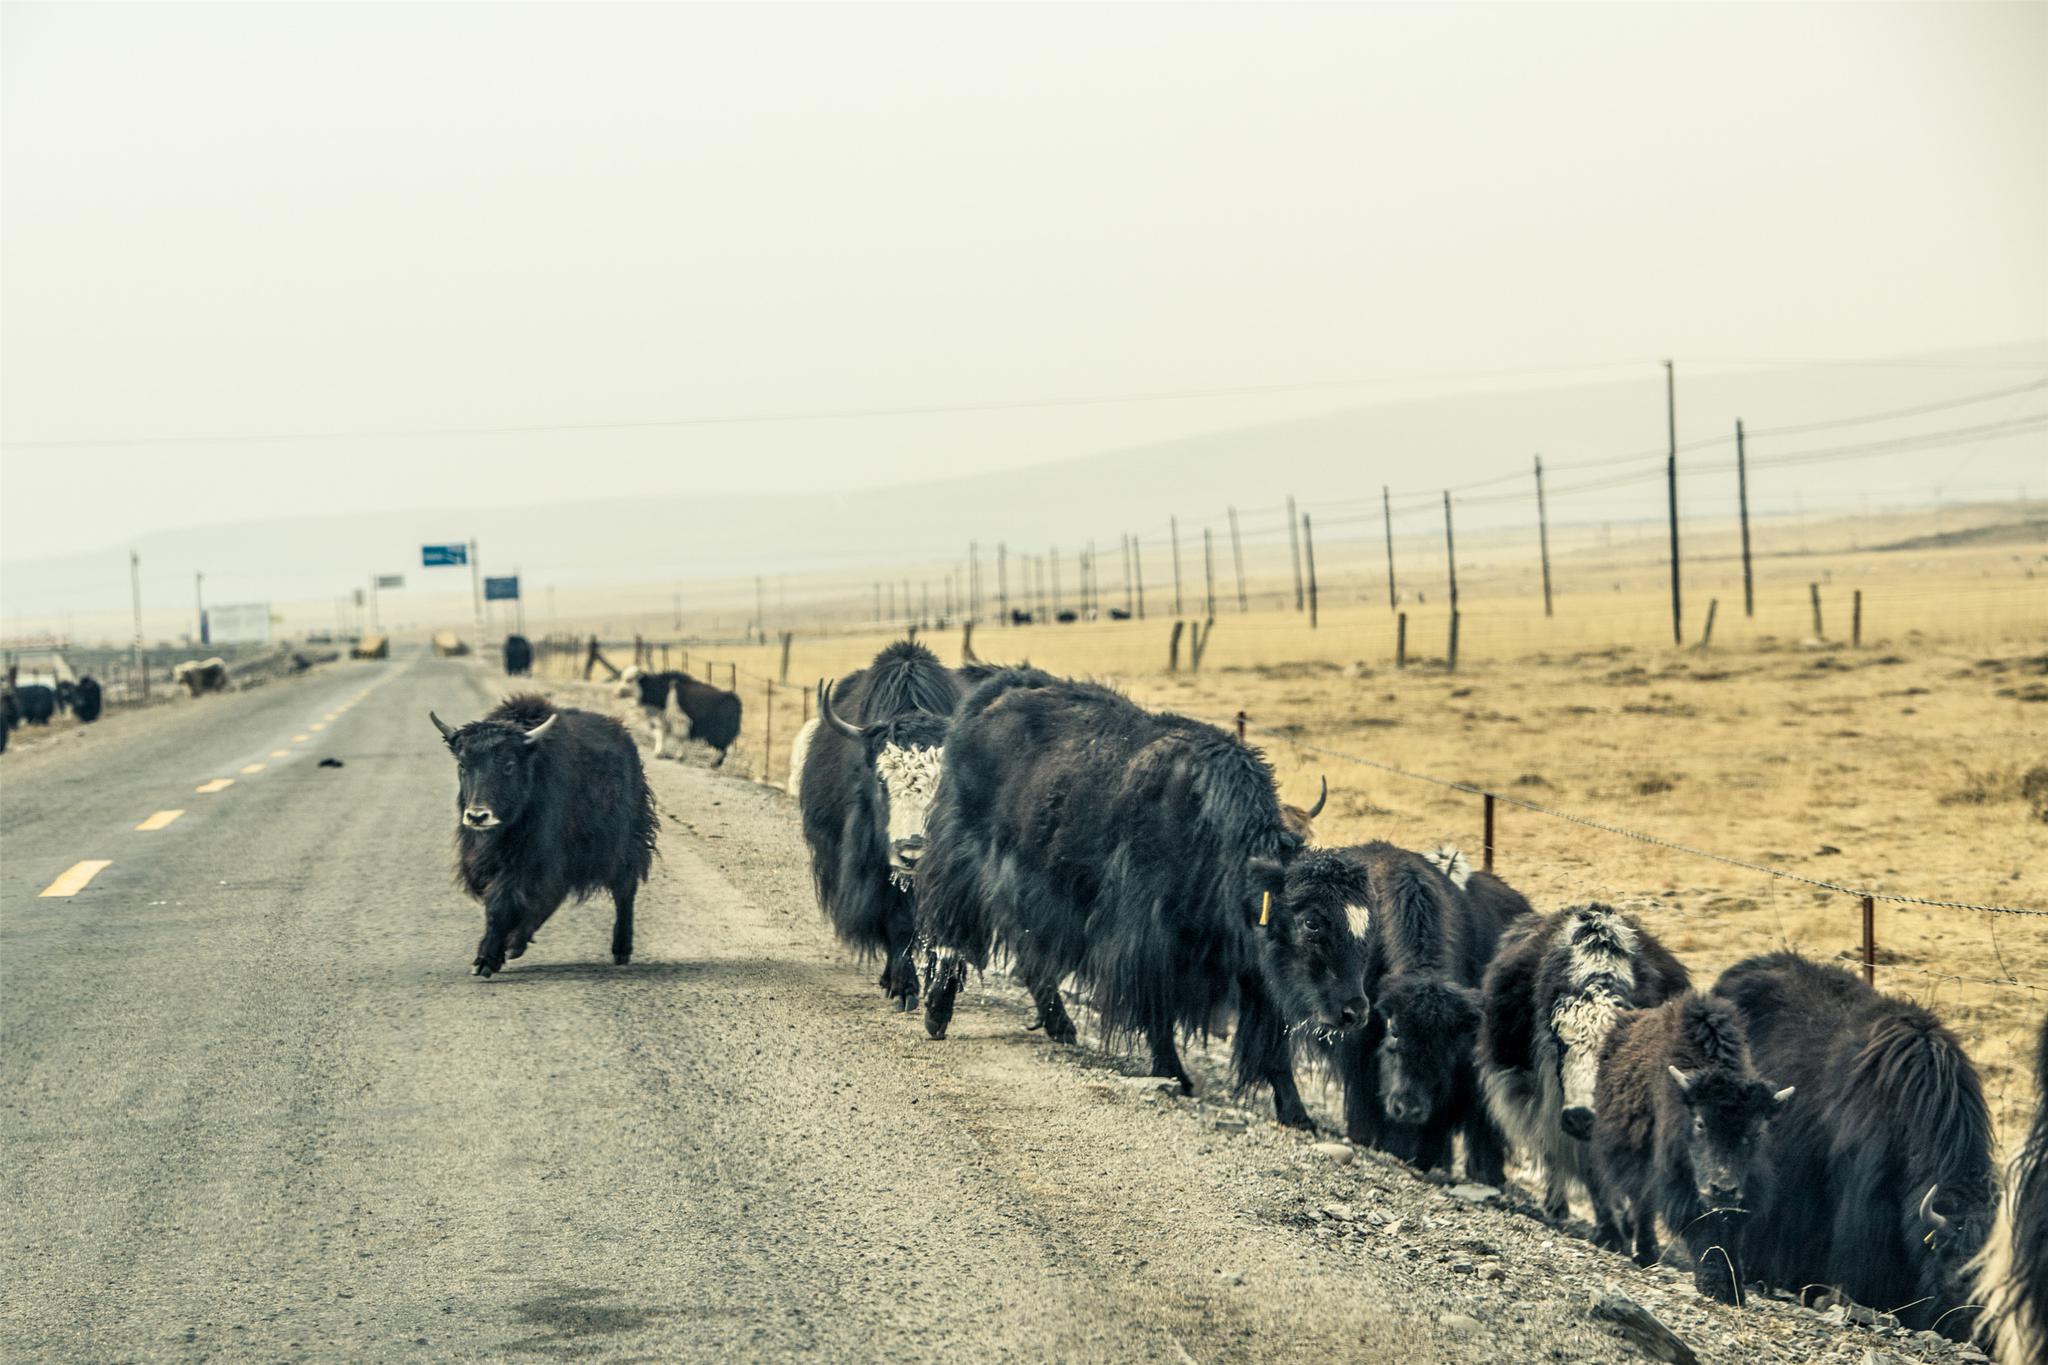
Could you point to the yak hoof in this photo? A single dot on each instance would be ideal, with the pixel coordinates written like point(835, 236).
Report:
point(621, 959)
point(480, 970)
point(1296, 1117)
point(1062, 1031)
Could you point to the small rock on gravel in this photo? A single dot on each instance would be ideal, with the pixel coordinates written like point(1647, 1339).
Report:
point(1640, 1326)
point(1338, 1152)
point(1462, 1323)
point(1474, 1194)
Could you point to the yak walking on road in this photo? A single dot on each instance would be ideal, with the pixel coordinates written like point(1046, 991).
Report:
point(551, 804)
point(1141, 854)
point(518, 655)
point(1884, 1161)
point(868, 773)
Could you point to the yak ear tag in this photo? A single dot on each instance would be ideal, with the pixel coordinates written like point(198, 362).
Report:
point(1265, 908)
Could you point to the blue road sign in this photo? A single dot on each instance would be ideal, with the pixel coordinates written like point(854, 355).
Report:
point(502, 589)
point(441, 556)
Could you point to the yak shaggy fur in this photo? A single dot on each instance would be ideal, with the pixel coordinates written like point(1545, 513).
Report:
point(1678, 1132)
point(1554, 990)
point(905, 699)
point(574, 817)
point(1087, 837)
point(2012, 1270)
point(1408, 1079)
point(1884, 1161)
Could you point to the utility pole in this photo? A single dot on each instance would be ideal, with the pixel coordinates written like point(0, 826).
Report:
point(373, 602)
point(1387, 512)
point(198, 609)
point(1742, 499)
point(1543, 534)
point(1671, 488)
point(1002, 582)
point(476, 591)
point(1237, 555)
point(135, 586)
point(1130, 599)
point(1451, 557)
point(1308, 550)
point(973, 580)
point(1173, 523)
point(760, 610)
point(1294, 548)
point(1208, 572)
point(1138, 568)
point(1055, 579)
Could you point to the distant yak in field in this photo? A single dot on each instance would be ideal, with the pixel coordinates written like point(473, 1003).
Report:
point(208, 675)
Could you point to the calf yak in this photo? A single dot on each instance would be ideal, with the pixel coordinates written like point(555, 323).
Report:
point(2012, 1270)
point(1678, 1123)
point(550, 804)
point(1407, 1075)
point(1551, 996)
point(1142, 854)
point(868, 774)
point(1884, 1162)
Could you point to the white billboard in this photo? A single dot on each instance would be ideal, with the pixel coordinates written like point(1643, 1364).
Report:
point(245, 623)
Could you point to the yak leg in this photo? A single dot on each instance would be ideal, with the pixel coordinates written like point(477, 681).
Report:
point(948, 975)
point(657, 735)
point(505, 922)
point(899, 942)
point(1485, 1151)
point(719, 762)
point(1261, 1053)
point(1052, 1013)
point(1165, 1057)
point(1646, 1251)
point(1716, 1259)
point(623, 896)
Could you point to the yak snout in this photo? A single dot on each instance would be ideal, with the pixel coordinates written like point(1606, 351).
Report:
point(904, 853)
point(1405, 1107)
point(1350, 1014)
point(478, 817)
point(1577, 1122)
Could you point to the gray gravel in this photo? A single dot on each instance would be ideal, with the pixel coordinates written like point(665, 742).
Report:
point(255, 1107)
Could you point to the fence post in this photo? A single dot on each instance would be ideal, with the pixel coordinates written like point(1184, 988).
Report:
point(767, 726)
point(1856, 620)
point(1387, 512)
point(1241, 718)
point(735, 676)
point(1173, 529)
point(1742, 501)
point(1671, 491)
point(1486, 843)
point(1543, 534)
point(786, 638)
point(1200, 645)
point(1237, 557)
point(1813, 592)
point(1452, 659)
point(1869, 942)
point(1401, 640)
point(1308, 548)
point(1707, 635)
point(1294, 546)
point(1208, 572)
point(1138, 573)
point(1173, 647)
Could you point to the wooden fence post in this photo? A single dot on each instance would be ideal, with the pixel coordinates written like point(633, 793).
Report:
point(1401, 641)
point(1856, 620)
point(1707, 635)
point(1241, 718)
point(767, 725)
point(1452, 659)
point(787, 636)
point(1173, 647)
point(1486, 843)
point(1200, 644)
point(1869, 942)
point(1308, 546)
point(1813, 591)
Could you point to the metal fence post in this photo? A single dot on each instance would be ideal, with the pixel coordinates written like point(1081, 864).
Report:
point(1240, 726)
point(1486, 844)
point(1869, 941)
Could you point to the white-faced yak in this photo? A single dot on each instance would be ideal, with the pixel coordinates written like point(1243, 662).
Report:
point(550, 804)
point(869, 772)
point(1884, 1172)
point(679, 707)
point(2012, 1270)
point(1678, 1126)
point(1407, 1074)
point(1552, 994)
point(1141, 854)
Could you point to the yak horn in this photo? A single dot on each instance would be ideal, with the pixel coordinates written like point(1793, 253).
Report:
point(441, 725)
point(831, 717)
point(1928, 1213)
point(1321, 801)
point(533, 735)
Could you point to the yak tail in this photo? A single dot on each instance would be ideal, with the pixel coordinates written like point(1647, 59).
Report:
point(2012, 1269)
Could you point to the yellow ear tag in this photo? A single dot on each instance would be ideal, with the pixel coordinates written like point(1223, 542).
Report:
point(1265, 908)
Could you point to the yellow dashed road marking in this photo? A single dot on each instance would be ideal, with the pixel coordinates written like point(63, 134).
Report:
point(219, 784)
point(316, 725)
point(73, 881)
point(300, 739)
point(280, 753)
point(160, 819)
point(255, 767)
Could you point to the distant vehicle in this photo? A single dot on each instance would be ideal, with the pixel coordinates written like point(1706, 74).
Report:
point(449, 645)
point(372, 647)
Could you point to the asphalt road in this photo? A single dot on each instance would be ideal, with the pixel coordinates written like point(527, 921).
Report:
point(255, 1106)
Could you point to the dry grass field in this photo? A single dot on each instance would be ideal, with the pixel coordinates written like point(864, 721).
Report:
point(1916, 764)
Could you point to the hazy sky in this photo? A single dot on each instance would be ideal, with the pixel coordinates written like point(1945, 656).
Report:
point(300, 218)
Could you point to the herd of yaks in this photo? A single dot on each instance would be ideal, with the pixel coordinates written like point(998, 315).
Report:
point(1791, 1126)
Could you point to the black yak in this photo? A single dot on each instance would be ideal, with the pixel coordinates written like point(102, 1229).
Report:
point(10, 714)
point(868, 773)
point(36, 702)
point(87, 700)
point(1678, 1124)
point(203, 675)
point(550, 804)
point(1408, 1079)
point(518, 655)
point(1552, 993)
point(678, 706)
point(1142, 854)
point(2012, 1270)
point(1884, 1162)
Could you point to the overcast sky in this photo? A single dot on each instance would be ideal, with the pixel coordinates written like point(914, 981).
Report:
point(261, 220)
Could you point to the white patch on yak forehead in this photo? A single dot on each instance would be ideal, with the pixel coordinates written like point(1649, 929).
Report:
point(910, 776)
point(1359, 917)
